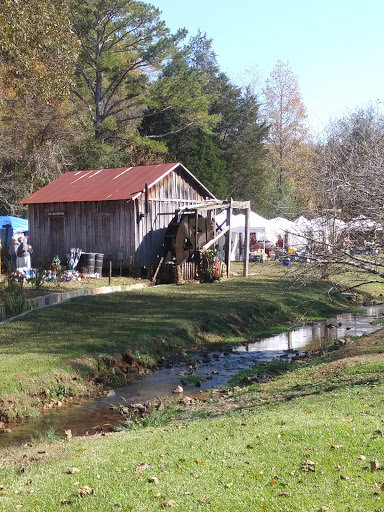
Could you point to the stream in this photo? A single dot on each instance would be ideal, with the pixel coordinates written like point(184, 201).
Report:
point(88, 417)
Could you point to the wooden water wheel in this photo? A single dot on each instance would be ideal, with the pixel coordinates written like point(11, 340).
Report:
point(182, 238)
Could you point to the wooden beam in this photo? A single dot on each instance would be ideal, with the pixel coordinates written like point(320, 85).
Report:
point(196, 227)
point(247, 241)
point(211, 242)
point(167, 200)
point(228, 240)
point(146, 199)
point(241, 205)
point(157, 270)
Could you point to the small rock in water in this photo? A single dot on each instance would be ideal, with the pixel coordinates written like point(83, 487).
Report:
point(179, 389)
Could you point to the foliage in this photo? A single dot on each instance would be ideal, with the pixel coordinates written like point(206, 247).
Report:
point(155, 418)
point(288, 141)
point(123, 43)
point(37, 49)
point(13, 297)
point(192, 379)
point(202, 154)
point(227, 151)
point(348, 173)
point(245, 152)
point(40, 275)
point(210, 267)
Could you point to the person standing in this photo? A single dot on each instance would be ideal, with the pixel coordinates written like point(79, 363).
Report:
point(12, 250)
point(23, 254)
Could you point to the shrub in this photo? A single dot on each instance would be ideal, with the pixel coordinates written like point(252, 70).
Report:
point(13, 298)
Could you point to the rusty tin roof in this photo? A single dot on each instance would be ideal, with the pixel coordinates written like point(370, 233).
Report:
point(104, 184)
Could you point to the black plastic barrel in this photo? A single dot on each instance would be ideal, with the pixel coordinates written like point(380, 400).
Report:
point(87, 262)
point(99, 264)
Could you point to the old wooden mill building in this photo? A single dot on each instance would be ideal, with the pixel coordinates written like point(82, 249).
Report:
point(122, 213)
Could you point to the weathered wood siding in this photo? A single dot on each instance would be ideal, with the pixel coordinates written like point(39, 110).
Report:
point(174, 192)
point(131, 230)
point(105, 227)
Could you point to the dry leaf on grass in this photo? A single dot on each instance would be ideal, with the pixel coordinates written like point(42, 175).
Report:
point(142, 467)
point(85, 490)
point(169, 503)
point(66, 502)
point(375, 465)
point(198, 461)
point(153, 479)
point(73, 470)
point(308, 465)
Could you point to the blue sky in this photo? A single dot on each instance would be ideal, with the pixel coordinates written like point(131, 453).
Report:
point(335, 48)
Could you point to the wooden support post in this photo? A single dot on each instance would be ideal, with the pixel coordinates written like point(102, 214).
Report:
point(157, 270)
point(228, 240)
point(110, 273)
point(196, 226)
point(214, 240)
point(247, 241)
point(146, 199)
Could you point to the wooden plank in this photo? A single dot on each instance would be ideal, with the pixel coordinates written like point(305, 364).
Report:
point(157, 270)
point(241, 205)
point(214, 240)
point(228, 240)
point(247, 242)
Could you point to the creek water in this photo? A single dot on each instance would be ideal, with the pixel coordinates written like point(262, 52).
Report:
point(87, 417)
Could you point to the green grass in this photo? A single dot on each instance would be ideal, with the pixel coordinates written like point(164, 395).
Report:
point(301, 442)
point(192, 379)
point(158, 320)
point(89, 283)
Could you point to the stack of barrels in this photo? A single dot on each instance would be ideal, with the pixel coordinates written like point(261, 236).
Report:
point(91, 264)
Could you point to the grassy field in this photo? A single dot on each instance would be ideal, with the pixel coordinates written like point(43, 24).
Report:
point(309, 440)
point(151, 322)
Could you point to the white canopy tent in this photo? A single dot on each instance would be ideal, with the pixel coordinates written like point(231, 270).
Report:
point(258, 225)
point(363, 224)
point(301, 229)
point(279, 226)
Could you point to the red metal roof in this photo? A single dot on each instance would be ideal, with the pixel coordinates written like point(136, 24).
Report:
point(103, 184)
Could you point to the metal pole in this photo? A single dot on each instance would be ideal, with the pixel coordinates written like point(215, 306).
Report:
point(110, 273)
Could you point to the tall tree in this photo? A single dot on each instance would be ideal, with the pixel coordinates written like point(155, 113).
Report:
point(37, 49)
point(124, 45)
point(288, 141)
point(233, 133)
point(348, 181)
point(245, 150)
point(348, 174)
point(37, 59)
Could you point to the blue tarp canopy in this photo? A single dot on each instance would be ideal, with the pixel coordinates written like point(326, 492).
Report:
point(16, 223)
point(12, 225)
